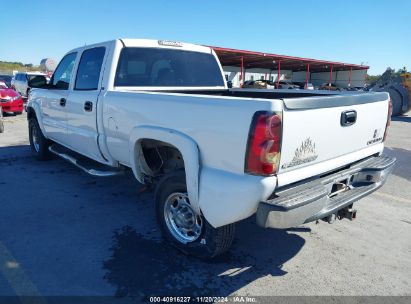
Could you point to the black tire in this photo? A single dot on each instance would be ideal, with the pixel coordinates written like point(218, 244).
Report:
point(18, 113)
point(396, 100)
point(211, 242)
point(40, 145)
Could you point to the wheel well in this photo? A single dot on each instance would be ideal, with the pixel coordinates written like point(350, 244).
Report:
point(159, 157)
point(31, 113)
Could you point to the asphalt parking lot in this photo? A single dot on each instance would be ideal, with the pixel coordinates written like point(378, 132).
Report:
point(63, 232)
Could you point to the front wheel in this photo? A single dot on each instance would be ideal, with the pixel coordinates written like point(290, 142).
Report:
point(38, 143)
point(182, 227)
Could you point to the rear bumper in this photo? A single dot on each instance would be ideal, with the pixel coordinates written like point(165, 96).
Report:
point(313, 200)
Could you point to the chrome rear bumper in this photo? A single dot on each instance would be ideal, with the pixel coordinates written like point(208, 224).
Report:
point(316, 199)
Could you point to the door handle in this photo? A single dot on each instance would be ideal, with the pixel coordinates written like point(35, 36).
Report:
point(348, 118)
point(88, 106)
point(63, 102)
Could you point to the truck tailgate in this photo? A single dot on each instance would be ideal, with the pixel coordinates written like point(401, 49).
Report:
point(317, 129)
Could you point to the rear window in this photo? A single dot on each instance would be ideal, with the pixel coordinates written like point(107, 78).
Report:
point(31, 77)
point(146, 67)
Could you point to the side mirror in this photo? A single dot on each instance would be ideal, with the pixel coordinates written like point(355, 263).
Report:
point(37, 82)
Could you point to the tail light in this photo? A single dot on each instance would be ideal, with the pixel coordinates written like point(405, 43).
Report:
point(264, 144)
point(388, 119)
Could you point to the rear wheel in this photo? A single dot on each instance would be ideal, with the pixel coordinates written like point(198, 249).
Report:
point(182, 227)
point(38, 143)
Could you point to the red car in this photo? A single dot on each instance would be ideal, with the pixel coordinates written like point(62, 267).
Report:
point(10, 100)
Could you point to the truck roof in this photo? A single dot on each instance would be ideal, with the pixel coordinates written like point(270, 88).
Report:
point(165, 44)
point(152, 43)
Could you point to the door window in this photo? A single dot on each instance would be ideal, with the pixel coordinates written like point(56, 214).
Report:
point(62, 75)
point(88, 73)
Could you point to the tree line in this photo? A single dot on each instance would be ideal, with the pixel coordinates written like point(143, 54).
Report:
point(15, 65)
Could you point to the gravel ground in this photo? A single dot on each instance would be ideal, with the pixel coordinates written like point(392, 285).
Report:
point(63, 232)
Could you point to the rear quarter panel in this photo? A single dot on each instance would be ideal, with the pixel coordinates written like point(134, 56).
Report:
point(219, 125)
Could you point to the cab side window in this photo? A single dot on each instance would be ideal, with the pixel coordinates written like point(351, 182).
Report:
point(88, 73)
point(62, 75)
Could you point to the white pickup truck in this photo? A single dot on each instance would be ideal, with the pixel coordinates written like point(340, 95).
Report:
point(215, 155)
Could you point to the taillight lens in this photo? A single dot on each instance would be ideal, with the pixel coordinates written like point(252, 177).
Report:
point(264, 144)
point(388, 119)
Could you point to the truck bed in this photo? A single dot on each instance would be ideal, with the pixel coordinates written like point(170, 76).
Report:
point(306, 149)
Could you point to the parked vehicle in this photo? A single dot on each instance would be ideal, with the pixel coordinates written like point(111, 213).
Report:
point(259, 84)
point(1, 121)
point(304, 86)
point(215, 156)
point(282, 84)
point(22, 82)
point(329, 87)
point(399, 88)
point(247, 83)
point(355, 89)
point(6, 79)
point(10, 100)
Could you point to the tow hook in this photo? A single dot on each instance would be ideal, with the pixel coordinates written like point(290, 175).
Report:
point(348, 212)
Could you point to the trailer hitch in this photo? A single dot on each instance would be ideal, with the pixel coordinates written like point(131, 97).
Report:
point(348, 213)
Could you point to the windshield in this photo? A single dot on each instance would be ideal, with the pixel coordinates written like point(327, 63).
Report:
point(147, 67)
point(5, 78)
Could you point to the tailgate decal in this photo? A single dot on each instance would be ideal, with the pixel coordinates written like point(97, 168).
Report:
point(303, 154)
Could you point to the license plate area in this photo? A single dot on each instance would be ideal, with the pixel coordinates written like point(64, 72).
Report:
point(339, 187)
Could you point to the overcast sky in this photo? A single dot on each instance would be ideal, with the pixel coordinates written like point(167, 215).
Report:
point(375, 33)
